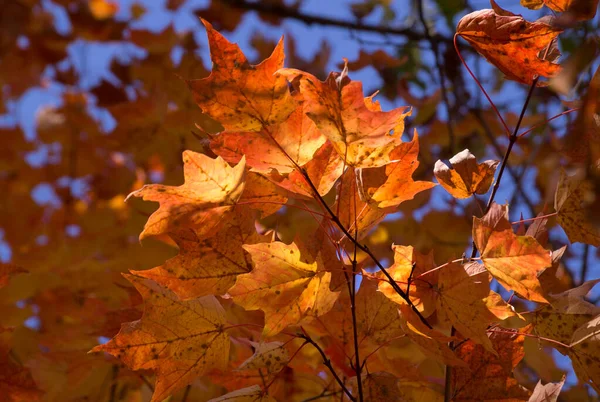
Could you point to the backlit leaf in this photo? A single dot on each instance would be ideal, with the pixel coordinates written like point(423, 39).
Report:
point(363, 137)
point(466, 177)
point(284, 285)
point(238, 95)
point(511, 43)
point(211, 187)
point(570, 195)
point(178, 340)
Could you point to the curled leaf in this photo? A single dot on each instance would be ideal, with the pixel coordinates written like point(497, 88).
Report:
point(511, 43)
point(466, 177)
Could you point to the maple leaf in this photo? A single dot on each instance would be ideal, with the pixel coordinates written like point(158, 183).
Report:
point(283, 284)
point(422, 291)
point(262, 195)
point(466, 177)
point(511, 43)
point(249, 394)
point(238, 95)
point(208, 265)
point(178, 340)
point(569, 197)
point(430, 341)
point(548, 392)
point(211, 187)
point(515, 261)
point(378, 387)
point(271, 356)
point(398, 185)
point(577, 9)
point(463, 301)
point(585, 352)
point(489, 376)
point(282, 147)
point(360, 134)
point(324, 170)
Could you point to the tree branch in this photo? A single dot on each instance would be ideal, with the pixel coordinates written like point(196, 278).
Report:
point(289, 12)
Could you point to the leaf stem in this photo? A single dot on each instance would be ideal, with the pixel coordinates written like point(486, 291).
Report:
point(352, 290)
point(512, 139)
point(535, 219)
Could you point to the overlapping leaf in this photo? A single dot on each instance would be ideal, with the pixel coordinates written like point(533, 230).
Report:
point(515, 261)
point(208, 265)
point(489, 376)
point(178, 340)
point(399, 185)
point(361, 133)
point(468, 304)
point(238, 95)
point(516, 46)
point(211, 187)
point(577, 9)
point(409, 264)
point(284, 285)
point(570, 194)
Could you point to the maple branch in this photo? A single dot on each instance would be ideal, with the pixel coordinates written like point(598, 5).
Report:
point(535, 219)
point(327, 363)
point(364, 249)
point(511, 142)
point(282, 11)
point(352, 290)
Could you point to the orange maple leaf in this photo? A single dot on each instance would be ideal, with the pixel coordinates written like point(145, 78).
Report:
point(516, 46)
point(178, 340)
point(466, 177)
point(211, 187)
point(284, 285)
point(422, 291)
point(362, 135)
point(488, 376)
point(466, 301)
point(570, 195)
point(208, 265)
point(515, 261)
point(238, 95)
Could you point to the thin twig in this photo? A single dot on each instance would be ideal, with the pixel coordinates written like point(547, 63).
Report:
point(327, 363)
point(352, 290)
point(287, 12)
point(511, 142)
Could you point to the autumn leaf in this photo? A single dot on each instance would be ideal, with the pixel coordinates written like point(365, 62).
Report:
point(511, 43)
point(284, 285)
point(362, 136)
point(489, 376)
point(282, 147)
point(585, 352)
point(515, 261)
point(570, 195)
point(249, 394)
point(466, 177)
point(178, 340)
point(548, 392)
point(270, 356)
point(463, 301)
point(378, 387)
point(577, 9)
point(211, 187)
point(398, 185)
point(409, 263)
point(430, 341)
point(238, 95)
point(208, 265)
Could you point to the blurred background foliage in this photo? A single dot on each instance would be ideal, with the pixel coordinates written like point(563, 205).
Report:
point(93, 106)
